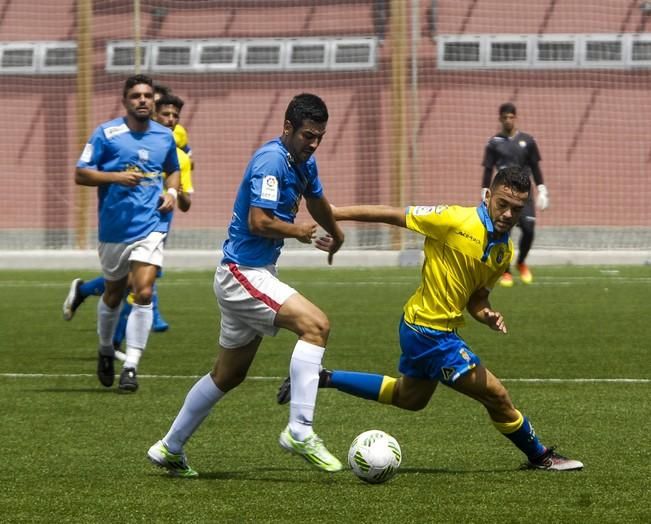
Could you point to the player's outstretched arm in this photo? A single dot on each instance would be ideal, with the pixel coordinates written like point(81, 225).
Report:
point(394, 216)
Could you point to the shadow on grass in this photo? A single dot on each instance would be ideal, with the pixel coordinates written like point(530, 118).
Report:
point(448, 471)
point(293, 475)
point(104, 391)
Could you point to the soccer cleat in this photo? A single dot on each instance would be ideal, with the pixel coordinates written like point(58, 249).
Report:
point(128, 381)
point(506, 280)
point(552, 461)
point(311, 449)
point(284, 394)
point(105, 370)
point(73, 300)
point(159, 325)
point(176, 464)
point(525, 274)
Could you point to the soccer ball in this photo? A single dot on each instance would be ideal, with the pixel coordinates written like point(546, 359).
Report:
point(374, 456)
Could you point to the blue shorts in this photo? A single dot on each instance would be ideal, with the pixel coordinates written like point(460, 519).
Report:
point(434, 355)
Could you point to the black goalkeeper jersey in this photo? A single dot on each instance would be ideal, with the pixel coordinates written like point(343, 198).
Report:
point(503, 151)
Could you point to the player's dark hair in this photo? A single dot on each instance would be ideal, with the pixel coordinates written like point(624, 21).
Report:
point(306, 107)
point(162, 90)
point(513, 177)
point(507, 108)
point(170, 100)
point(134, 81)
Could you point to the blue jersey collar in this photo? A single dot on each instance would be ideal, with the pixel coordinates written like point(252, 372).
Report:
point(493, 239)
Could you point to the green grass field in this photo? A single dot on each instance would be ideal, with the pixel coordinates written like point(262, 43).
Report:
point(75, 451)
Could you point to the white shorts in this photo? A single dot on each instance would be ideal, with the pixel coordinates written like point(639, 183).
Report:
point(115, 258)
point(249, 298)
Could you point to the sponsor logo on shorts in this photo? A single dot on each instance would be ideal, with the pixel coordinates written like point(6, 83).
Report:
point(447, 373)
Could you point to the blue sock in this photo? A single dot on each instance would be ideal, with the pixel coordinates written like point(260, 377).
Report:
point(364, 385)
point(154, 299)
point(522, 434)
point(121, 328)
point(92, 287)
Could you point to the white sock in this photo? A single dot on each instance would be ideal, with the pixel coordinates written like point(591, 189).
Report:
point(138, 327)
point(198, 403)
point(107, 319)
point(304, 374)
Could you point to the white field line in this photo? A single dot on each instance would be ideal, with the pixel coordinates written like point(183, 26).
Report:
point(392, 281)
point(183, 377)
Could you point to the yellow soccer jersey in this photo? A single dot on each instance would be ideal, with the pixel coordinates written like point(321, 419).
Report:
point(460, 258)
point(185, 172)
point(185, 166)
point(181, 138)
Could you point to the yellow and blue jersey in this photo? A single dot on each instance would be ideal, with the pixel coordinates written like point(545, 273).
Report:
point(185, 184)
point(181, 139)
point(463, 253)
point(185, 165)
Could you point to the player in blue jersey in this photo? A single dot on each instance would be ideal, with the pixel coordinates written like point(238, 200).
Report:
point(126, 159)
point(466, 251)
point(253, 301)
point(512, 147)
point(168, 114)
point(80, 290)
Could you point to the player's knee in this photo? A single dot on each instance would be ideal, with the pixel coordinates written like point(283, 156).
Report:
point(317, 329)
point(227, 379)
point(413, 402)
point(144, 296)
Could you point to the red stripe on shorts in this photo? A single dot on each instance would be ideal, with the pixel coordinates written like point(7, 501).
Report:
point(255, 293)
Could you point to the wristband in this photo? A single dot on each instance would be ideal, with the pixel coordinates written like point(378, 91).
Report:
point(172, 191)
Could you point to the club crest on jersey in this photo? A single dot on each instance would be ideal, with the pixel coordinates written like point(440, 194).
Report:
point(500, 255)
point(269, 189)
point(143, 155)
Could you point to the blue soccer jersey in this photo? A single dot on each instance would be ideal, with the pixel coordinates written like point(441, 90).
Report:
point(271, 181)
point(127, 214)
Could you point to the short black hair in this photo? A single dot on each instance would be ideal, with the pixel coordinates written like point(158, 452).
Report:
point(170, 100)
point(306, 106)
point(134, 80)
point(507, 108)
point(513, 177)
point(162, 89)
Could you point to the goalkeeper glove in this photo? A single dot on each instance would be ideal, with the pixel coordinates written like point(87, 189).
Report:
point(543, 198)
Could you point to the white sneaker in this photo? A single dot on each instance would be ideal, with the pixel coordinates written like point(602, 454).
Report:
point(554, 462)
point(176, 464)
point(311, 449)
point(73, 300)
